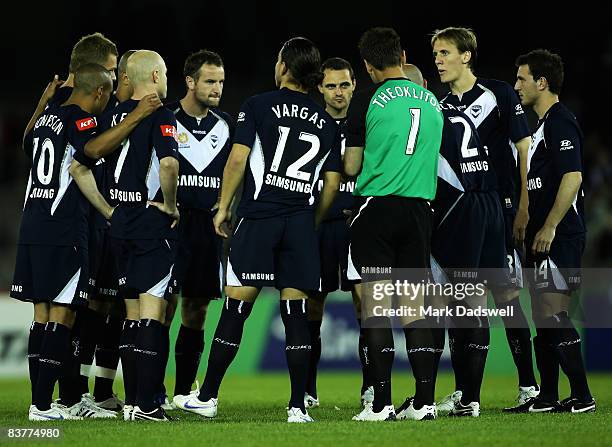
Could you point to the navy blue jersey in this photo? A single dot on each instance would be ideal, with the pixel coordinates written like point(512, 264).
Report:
point(344, 198)
point(556, 149)
point(494, 108)
point(132, 174)
point(292, 139)
point(55, 211)
point(463, 165)
point(204, 145)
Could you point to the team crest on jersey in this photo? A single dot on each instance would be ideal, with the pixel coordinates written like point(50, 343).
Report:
point(476, 110)
point(86, 123)
point(213, 141)
point(183, 137)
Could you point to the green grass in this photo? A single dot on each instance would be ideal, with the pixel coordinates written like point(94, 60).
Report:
point(252, 412)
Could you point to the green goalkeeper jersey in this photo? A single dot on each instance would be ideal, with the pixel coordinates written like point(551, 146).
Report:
point(399, 125)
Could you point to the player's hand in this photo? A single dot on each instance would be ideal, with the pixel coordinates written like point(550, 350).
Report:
point(147, 105)
point(110, 213)
point(543, 239)
point(215, 207)
point(222, 222)
point(172, 212)
point(51, 89)
point(520, 225)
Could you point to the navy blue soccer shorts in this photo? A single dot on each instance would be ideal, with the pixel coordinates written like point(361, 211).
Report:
point(197, 271)
point(53, 274)
point(144, 266)
point(333, 247)
point(281, 252)
point(103, 280)
point(468, 236)
point(559, 271)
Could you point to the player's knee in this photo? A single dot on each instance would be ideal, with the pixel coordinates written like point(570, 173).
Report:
point(41, 312)
point(61, 314)
point(132, 310)
point(193, 312)
point(316, 304)
point(170, 309)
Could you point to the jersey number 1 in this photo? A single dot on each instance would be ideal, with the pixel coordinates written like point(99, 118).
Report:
point(415, 124)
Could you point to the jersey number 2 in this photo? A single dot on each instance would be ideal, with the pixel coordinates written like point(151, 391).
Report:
point(293, 170)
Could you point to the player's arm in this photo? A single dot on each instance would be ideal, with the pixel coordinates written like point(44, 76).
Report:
point(353, 158)
point(108, 141)
point(331, 184)
point(42, 103)
point(522, 215)
point(233, 174)
point(86, 182)
point(568, 190)
point(168, 180)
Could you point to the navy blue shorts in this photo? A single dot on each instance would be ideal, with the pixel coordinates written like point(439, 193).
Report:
point(53, 274)
point(468, 235)
point(144, 265)
point(558, 272)
point(103, 279)
point(333, 247)
point(197, 271)
point(282, 252)
point(389, 232)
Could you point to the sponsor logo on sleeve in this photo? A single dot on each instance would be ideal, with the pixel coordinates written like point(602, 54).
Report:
point(86, 123)
point(566, 145)
point(168, 131)
point(518, 109)
point(241, 117)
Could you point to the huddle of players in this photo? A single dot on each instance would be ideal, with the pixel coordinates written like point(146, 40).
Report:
point(287, 140)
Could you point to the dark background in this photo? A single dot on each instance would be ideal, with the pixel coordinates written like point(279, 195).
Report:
point(36, 42)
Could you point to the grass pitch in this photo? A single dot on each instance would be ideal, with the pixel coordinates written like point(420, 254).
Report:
point(252, 412)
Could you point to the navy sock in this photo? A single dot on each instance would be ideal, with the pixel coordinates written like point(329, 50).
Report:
point(366, 379)
point(187, 353)
point(69, 380)
point(148, 350)
point(456, 343)
point(53, 353)
point(381, 350)
point(476, 350)
point(567, 344)
point(421, 354)
point(37, 332)
point(548, 365)
point(165, 354)
point(225, 345)
point(519, 340)
point(297, 348)
point(314, 328)
point(107, 358)
point(127, 345)
point(91, 323)
point(438, 332)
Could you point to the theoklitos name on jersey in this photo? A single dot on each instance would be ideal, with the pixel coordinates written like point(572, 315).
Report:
point(474, 166)
point(295, 111)
point(199, 181)
point(400, 91)
point(534, 183)
point(51, 121)
point(288, 184)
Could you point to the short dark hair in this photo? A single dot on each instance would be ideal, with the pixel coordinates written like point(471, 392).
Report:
point(195, 60)
point(122, 65)
point(93, 49)
point(381, 47)
point(544, 64)
point(337, 63)
point(303, 60)
point(88, 77)
point(463, 38)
